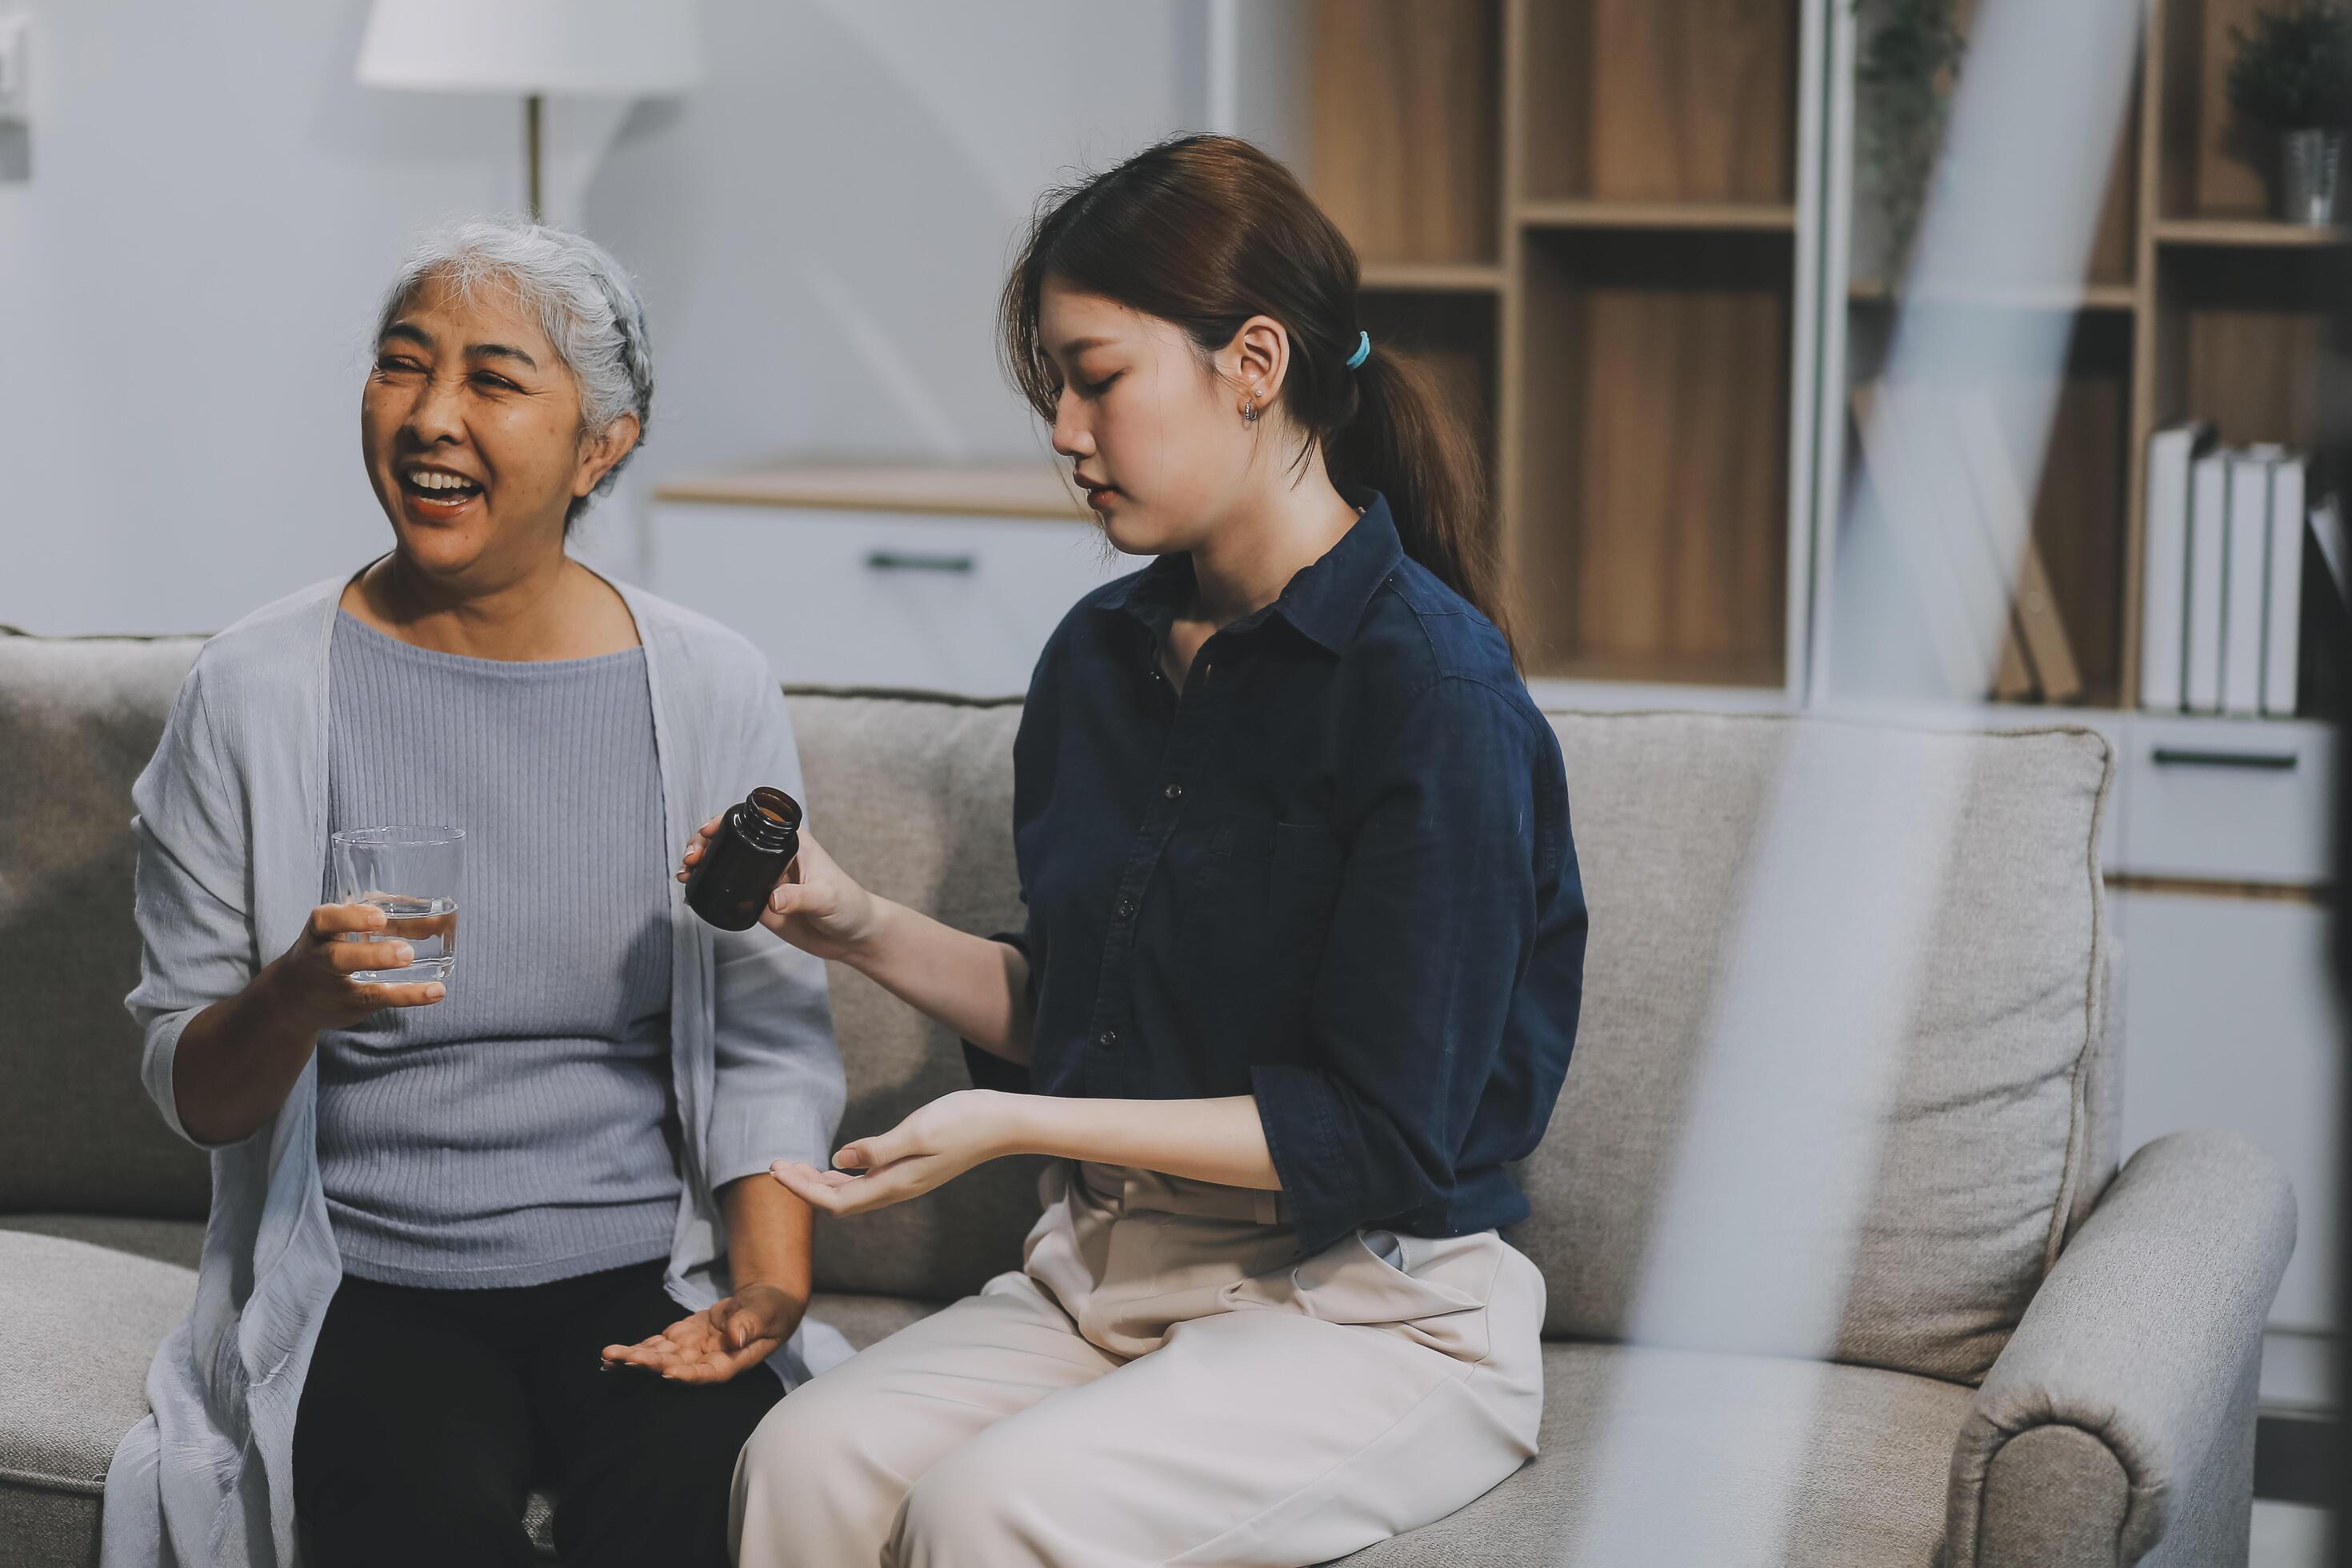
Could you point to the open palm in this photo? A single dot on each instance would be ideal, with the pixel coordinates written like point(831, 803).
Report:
point(712, 1346)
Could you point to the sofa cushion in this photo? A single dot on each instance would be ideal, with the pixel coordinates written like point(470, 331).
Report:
point(1702, 1091)
point(81, 716)
point(175, 1241)
point(111, 1288)
point(1654, 1456)
point(85, 1320)
point(913, 796)
point(864, 1320)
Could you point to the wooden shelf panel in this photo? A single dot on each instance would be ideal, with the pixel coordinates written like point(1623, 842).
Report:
point(2209, 163)
point(1578, 213)
point(1432, 277)
point(1452, 331)
point(2248, 232)
point(2241, 338)
point(1651, 526)
point(1405, 125)
point(2090, 297)
point(1660, 101)
point(1040, 489)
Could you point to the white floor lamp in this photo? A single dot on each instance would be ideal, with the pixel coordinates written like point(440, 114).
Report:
point(628, 48)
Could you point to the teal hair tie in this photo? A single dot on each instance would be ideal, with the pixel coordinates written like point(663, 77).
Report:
point(1363, 349)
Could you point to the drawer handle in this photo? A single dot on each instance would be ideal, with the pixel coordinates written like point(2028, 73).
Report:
point(2181, 756)
point(901, 561)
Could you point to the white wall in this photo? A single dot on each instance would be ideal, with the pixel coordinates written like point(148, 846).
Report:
point(187, 276)
point(822, 229)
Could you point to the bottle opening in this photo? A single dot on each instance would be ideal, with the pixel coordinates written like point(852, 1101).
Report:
point(776, 806)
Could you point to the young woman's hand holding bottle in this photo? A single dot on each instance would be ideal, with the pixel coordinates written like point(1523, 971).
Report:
point(817, 907)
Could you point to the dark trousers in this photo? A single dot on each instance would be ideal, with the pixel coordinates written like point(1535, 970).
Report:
point(429, 1415)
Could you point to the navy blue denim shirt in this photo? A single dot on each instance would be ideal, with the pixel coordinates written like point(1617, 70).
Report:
point(1335, 873)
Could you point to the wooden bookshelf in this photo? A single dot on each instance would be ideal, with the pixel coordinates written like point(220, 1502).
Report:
point(2234, 306)
point(1601, 263)
point(2193, 301)
point(1593, 216)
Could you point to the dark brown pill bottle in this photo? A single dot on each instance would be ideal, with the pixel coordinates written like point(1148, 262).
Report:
point(756, 840)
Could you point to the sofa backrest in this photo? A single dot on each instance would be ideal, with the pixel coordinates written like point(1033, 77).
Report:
point(914, 797)
point(1996, 1125)
point(1992, 1101)
point(79, 718)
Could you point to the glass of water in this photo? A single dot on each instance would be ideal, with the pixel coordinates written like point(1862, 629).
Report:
point(412, 875)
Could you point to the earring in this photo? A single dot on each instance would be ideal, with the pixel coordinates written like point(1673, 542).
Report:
point(1249, 406)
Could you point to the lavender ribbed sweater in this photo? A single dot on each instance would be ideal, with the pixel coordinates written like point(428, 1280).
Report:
point(522, 1128)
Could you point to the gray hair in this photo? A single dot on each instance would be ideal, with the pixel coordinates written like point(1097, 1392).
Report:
point(586, 303)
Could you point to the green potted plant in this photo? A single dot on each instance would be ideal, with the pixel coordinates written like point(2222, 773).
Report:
point(2292, 75)
point(1909, 64)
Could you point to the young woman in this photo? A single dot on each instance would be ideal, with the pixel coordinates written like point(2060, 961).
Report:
point(1303, 951)
point(434, 1208)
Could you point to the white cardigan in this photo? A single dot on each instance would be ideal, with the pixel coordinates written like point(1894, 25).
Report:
point(232, 843)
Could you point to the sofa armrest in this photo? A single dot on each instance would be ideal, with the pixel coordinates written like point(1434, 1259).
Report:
point(2117, 1425)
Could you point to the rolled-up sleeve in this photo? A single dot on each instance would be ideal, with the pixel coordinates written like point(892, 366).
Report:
point(779, 1088)
point(191, 892)
point(1451, 975)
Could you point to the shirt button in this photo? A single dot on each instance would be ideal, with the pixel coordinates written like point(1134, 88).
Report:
point(1109, 1037)
point(1125, 907)
point(1173, 792)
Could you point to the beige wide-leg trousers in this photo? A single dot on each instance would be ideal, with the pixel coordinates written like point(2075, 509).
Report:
point(1162, 1383)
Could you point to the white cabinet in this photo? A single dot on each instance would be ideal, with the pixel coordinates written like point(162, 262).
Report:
point(869, 588)
point(2229, 1020)
point(2224, 997)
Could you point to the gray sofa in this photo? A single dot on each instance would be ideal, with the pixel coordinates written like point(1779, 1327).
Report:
point(2024, 1357)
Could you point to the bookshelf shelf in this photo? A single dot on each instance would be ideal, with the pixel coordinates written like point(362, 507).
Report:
point(1433, 277)
point(1733, 215)
point(2114, 296)
point(2249, 233)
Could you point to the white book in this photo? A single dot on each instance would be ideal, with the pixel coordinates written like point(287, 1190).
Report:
point(2246, 579)
point(2163, 578)
point(2209, 522)
point(2282, 620)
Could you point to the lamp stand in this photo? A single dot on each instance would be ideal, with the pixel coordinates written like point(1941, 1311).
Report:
point(530, 137)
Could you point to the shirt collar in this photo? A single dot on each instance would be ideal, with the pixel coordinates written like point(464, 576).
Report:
point(1324, 601)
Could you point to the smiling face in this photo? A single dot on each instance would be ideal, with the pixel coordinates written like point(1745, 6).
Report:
point(1155, 437)
point(470, 426)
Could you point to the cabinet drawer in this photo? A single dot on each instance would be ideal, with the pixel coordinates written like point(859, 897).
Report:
point(943, 603)
point(2226, 800)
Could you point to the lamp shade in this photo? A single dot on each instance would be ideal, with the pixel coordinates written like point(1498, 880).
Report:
point(626, 48)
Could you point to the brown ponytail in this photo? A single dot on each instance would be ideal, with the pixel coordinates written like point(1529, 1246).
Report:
point(1208, 231)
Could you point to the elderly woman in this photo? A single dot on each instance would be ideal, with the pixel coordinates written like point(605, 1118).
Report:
point(518, 1230)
